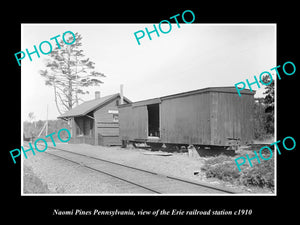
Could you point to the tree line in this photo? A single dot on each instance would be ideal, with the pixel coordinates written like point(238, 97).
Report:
point(31, 129)
point(264, 113)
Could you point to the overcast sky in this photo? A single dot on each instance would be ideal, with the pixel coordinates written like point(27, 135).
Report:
point(191, 57)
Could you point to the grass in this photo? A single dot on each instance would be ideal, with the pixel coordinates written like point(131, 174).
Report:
point(224, 168)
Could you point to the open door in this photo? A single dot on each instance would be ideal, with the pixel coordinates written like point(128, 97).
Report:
point(153, 120)
point(139, 122)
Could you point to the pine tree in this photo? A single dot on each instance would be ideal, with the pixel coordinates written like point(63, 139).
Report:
point(69, 72)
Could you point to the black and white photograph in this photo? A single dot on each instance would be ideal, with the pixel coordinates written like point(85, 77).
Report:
point(160, 117)
point(149, 112)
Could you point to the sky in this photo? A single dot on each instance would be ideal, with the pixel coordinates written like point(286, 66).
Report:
point(191, 57)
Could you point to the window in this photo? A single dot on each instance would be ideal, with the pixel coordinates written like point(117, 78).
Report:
point(79, 126)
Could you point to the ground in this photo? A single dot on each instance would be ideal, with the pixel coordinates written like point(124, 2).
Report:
point(53, 175)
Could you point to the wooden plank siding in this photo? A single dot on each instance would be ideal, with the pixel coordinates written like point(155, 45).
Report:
point(204, 117)
point(96, 121)
point(107, 130)
point(186, 119)
point(231, 117)
point(82, 130)
point(133, 122)
point(140, 122)
point(126, 123)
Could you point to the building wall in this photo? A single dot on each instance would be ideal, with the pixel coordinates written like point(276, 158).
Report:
point(182, 120)
point(231, 117)
point(82, 130)
point(127, 130)
point(208, 118)
point(186, 119)
point(107, 125)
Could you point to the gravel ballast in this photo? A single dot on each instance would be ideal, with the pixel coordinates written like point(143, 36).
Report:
point(65, 177)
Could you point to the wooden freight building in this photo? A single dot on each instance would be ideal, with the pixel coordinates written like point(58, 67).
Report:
point(96, 122)
point(207, 117)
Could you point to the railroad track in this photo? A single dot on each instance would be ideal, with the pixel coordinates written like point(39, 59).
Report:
point(147, 181)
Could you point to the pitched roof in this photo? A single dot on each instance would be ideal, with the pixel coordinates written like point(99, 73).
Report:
point(89, 106)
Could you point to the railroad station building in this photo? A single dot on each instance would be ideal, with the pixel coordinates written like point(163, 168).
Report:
point(96, 122)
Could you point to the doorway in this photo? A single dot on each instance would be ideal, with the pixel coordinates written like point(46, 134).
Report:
point(153, 120)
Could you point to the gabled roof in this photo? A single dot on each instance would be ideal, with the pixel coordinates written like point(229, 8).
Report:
point(89, 106)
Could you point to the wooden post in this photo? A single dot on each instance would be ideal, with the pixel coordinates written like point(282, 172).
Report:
point(47, 121)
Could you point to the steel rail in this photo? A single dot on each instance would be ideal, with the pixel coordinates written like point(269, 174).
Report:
point(100, 171)
point(134, 168)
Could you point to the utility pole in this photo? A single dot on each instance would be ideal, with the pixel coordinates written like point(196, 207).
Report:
point(47, 121)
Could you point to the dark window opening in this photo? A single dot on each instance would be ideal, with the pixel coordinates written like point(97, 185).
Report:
point(153, 120)
point(84, 126)
point(79, 126)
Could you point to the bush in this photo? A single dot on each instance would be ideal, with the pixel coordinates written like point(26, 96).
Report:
point(224, 168)
point(220, 167)
point(261, 175)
